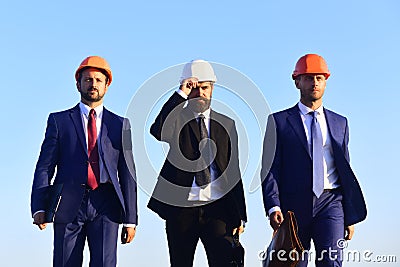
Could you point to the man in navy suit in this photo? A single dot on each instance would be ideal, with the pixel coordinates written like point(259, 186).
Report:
point(199, 192)
point(90, 150)
point(306, 168)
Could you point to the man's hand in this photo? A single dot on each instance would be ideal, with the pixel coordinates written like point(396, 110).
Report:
point(188, 84)
point(38, 219)
point(239, 229)
point(275, 219)
point(127, 234)
point(349, 232)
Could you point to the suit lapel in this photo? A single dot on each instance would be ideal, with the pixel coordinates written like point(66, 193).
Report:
point(298, 127)
point(189, 118)
point(214, 126)
point(75, 114)
point(104, 132)
point(217, 133)
point(334, 128)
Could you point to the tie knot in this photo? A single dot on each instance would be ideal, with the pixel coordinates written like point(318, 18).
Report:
point(201, 117)
point(314, 114)
point(92, 112)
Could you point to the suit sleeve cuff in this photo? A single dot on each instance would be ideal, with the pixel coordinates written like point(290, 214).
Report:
point(271, 210)
point(39, 211)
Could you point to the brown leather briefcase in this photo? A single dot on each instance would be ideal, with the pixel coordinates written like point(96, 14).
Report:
point(285, 249)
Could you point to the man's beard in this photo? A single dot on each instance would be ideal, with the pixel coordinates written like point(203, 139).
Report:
point(199, 104)
point(92, 97)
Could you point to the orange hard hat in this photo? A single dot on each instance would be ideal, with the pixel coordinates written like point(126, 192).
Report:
point(311, 63)
point(94, 62)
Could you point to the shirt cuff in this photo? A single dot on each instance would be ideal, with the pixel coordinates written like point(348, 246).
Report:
point(182, 94)
point(129, 225)
point(271, 210)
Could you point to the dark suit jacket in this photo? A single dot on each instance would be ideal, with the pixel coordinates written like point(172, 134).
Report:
point(64, 151)
point(177, 126)
point(287, 166)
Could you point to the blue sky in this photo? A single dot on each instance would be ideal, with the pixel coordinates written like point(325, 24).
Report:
point(43, 42)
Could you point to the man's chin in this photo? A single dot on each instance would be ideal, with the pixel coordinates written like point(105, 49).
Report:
point(199, 105)
point(91, 97)
point(199, 108)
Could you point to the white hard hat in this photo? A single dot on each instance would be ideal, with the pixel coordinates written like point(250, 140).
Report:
point(200, 69)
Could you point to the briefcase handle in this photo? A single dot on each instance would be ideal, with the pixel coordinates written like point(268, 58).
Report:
point(293, 231)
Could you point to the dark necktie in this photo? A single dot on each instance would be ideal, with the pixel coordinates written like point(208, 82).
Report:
point(203, 176)
point(317, 155)
point(93, 166)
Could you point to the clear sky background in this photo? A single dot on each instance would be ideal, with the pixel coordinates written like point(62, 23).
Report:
point(43, 42)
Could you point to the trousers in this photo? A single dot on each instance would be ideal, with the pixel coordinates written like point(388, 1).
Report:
point(209, 223)
point(326, 229)
point(96, 223)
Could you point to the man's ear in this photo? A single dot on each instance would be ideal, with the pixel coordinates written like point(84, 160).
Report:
point(297, 82)
point(78, 86)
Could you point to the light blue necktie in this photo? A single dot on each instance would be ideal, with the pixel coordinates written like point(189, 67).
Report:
point(317, 156)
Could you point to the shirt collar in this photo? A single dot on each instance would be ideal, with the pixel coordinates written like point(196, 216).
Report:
point(85, 109)
point(305, 110)
point(206, 113)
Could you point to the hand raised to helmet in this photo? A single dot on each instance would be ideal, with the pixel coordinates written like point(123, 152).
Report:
point(188, 84)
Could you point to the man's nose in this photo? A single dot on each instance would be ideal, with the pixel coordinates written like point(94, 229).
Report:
point(314, 80)
point(93, 84)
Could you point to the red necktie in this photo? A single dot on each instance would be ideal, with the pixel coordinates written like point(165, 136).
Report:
point(93, 166)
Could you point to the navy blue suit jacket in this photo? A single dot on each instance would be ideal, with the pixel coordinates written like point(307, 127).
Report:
point(64, 152)
point(287, 166)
